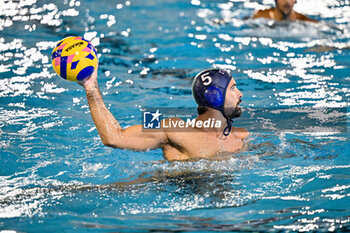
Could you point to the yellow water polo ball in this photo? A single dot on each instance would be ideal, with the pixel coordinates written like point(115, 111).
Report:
point(74, 58)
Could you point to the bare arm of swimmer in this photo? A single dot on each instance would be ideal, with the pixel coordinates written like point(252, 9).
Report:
point(108, 127)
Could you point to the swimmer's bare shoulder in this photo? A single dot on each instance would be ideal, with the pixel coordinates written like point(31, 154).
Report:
point(240, 132)
point(267, 14)
point(174, 129)
point(304, 18)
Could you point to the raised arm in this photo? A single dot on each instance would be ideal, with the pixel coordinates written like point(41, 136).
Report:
point(111, 133)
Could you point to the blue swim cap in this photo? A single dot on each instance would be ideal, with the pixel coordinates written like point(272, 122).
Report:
point(209, 90)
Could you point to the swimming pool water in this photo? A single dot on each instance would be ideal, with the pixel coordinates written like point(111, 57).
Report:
point(56, 176)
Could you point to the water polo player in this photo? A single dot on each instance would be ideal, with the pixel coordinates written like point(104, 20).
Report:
point(282, 11)
point(217, 96)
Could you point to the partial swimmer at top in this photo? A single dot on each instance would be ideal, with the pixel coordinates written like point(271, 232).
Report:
point(283, 11)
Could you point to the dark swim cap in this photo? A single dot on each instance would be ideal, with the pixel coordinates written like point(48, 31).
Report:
point(209, 90)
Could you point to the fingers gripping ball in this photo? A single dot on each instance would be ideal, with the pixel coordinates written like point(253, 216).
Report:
point(74, 58)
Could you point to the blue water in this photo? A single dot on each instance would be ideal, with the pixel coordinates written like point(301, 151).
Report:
point(56, 176)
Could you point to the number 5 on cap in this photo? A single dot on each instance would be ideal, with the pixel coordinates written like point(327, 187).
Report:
point(206, 79)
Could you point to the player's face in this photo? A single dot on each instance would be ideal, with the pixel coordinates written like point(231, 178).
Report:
point(232, 101)
point(286, 6)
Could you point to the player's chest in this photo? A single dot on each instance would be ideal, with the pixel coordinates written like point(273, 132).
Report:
point(210, 146)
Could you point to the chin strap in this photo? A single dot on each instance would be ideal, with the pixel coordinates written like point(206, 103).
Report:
point(228, 128)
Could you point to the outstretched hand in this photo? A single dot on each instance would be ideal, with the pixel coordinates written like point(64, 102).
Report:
point(90, 81)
